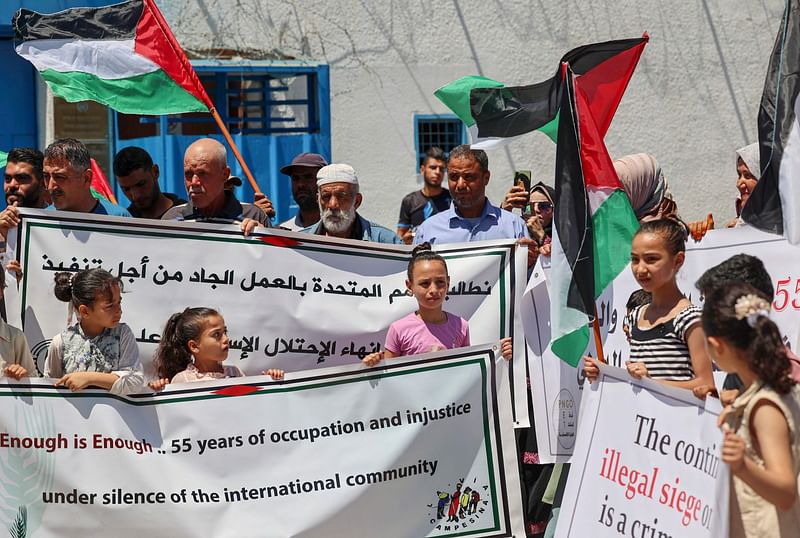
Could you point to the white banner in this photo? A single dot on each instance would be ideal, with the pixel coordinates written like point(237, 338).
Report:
point(646, 464)
point(556, 387)
point(291, 301)
point(422, 447)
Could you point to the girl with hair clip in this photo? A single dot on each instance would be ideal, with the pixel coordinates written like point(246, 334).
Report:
point(429, 328)
point(666, 339)
point(761, 442)
point(97, 351)
point(193, 347)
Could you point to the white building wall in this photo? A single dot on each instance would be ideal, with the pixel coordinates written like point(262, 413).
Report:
point(692, 101)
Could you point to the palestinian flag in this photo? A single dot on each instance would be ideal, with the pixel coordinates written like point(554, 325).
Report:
point(495, 114)
point(593, 224)
point(123, 56)
point(100, 187)
point(774, 205)
point(3, 159)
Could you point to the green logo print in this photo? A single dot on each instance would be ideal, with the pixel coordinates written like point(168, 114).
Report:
point(26, 472)
point(19, 528)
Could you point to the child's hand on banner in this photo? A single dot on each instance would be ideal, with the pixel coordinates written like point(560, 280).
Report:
point(637, 369)
point(590, 369)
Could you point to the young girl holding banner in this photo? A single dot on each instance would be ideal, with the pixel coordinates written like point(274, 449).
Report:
point(98, 351)
point(666, 339)
point(761, 442)
point(193, 347)
point(429, 328)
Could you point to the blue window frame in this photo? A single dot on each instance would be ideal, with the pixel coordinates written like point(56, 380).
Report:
point(443, 130)
point(249, 100)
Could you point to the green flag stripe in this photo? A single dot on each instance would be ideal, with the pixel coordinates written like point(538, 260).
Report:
point(614, 224)
point(570, 347)
point(152, 93)
point(456, 95)
point(551, 128)
point(3, 159)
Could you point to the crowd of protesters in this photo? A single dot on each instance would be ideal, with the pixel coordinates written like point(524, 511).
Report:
point(671, 339)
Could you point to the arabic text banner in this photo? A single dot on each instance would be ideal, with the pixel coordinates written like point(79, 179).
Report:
point(290, 301)
point(557, 387)
point(422, 447)
point(646, 463)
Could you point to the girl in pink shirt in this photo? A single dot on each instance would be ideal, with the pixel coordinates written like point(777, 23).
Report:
point(429, 328)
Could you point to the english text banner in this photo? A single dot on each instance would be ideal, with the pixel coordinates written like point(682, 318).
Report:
point(422, 447)
point(646, 463)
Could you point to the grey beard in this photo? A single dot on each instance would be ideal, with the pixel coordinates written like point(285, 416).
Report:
point(338, 221)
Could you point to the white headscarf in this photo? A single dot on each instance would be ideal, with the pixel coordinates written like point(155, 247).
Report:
point(750, 156)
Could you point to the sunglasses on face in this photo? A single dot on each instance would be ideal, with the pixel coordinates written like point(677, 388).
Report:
point(544, 207)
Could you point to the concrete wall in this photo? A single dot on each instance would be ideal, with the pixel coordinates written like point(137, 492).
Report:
point(693, 100)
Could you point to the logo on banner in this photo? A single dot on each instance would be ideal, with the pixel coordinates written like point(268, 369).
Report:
point(459, 507)
point(34, 471)
point(565, 415)
point(39, 352)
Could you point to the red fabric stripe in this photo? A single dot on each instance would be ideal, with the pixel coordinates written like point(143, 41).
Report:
point(276, 241)
point(605, 83)
point(154, 40)
point(236, 390)
point(598, 170)
point(100, 183)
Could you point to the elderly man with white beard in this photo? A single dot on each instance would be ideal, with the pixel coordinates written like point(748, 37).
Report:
point(338, 196)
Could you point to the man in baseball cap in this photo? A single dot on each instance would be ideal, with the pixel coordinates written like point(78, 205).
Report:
point(303, 171)
point(339, 198)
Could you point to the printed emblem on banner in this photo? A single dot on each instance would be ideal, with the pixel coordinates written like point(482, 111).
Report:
point(22, 505)
point(39, 352)
point(565, 415)
point(459, 507)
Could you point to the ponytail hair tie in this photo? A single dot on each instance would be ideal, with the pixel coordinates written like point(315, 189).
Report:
point(750, 307)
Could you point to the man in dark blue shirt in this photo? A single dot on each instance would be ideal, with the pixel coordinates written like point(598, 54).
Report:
point(431, 199)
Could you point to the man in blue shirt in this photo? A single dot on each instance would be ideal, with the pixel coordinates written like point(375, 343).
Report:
point(68, 177)
point(471, 217)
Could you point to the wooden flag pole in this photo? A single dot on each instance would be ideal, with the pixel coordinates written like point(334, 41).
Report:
point(598, 340)
point(200, 91)
point(232, 144)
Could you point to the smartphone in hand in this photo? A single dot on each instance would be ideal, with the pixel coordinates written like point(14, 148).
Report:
point(522, 178)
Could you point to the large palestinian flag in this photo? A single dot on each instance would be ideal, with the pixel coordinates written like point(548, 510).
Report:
point(123, 56)
point(774, 205)
point(593, 224)
point(495, 114)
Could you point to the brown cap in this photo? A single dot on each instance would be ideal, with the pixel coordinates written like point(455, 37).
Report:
point(308, 160)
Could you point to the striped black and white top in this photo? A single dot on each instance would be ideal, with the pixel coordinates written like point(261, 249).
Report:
point(663, 348)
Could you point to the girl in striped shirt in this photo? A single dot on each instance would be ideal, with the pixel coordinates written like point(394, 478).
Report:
point(666, 338)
